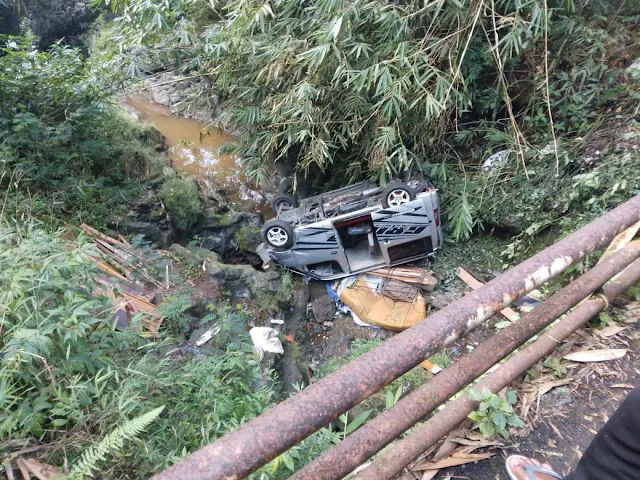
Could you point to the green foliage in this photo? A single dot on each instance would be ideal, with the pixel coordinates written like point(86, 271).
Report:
point(373, 89)
point(173, 311)
point(379, 401)
point(67, 376)
point(555, 364)
point(50, 20)
point(50, 332)
point(112, 442)
point(64, 152)
point(365, 87)
point(442, 359)
point(182, 200)
point(248, 237)
point(494, 413)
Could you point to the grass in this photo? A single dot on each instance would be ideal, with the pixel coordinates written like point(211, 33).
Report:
point(481, 255)
point(377, 402)
point(442, 359)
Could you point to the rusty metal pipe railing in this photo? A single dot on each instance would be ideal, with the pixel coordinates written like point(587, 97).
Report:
point(369, 439)
point(239, 453)
point(427, 434)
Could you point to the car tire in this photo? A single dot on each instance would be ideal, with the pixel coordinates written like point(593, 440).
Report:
point(423, 186)
point(278, 234)
point(396, 194)
point(283, 201)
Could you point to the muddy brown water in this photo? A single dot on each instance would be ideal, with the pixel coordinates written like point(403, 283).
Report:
point(193, 150)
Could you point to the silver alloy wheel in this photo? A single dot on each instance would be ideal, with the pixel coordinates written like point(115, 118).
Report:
point(398, 197)
point(277, 236)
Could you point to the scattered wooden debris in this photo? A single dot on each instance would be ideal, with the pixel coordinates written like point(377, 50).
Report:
point(119, 261)
point(117, 258)
point(626, 386)
point(397, 290)
point(596, 355)
point(412, 275)
point(475, 284)
point(29, 468)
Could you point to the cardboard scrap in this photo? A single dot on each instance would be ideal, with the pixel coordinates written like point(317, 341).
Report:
point(602, 355)
point(382, 311)
point(431, 367)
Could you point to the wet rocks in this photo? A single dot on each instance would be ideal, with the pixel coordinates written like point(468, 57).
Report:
point(324, 309)
point(151, 232)
point(193, 98)
point(181, 197)
point(195, 255)
point(243, 280)
point(229, 232)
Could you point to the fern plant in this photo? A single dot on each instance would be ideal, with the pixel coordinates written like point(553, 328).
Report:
point(112, 443)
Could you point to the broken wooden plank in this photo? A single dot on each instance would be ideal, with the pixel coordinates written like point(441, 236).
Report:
point(92, 232)
point(413, 275)
point(475, 284)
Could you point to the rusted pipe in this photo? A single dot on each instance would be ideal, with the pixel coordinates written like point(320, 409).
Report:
point(369, 439)
point(239, 453)
point(427, 434)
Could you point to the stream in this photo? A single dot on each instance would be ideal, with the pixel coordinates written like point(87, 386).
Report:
point(193, 151)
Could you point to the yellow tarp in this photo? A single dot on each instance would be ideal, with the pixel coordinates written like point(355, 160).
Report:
point(382, 311)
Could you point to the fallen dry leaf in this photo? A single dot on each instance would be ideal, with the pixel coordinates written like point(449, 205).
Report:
point(609, 331)
point(454, 460)
point(429, 474)
point(480, 443)
point(596, 355)
point(623, 385)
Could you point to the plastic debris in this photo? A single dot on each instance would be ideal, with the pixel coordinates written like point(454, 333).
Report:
point(496, 160)
point(265, 339)
point(208, 335)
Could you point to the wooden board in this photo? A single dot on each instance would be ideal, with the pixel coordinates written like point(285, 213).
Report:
point(475, 284)
point(412, 275)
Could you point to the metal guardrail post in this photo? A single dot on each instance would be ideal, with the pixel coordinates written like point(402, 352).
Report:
point(369, 439)
point(240, 453)
point(427, 434)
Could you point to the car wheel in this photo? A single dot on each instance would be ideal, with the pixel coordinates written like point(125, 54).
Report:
point(283, 202)
point(396, 194)
point(421, 186)
point(278, 234)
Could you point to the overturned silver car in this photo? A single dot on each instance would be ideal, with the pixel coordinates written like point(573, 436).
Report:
point(354, 229)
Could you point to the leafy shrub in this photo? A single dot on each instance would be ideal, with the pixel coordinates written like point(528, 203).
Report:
point(494, 413)
point(68, 151)
point(67, 376)
point(377, 402)
point(182, 200)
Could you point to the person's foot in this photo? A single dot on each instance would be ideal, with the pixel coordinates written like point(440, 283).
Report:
point(517, 469)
